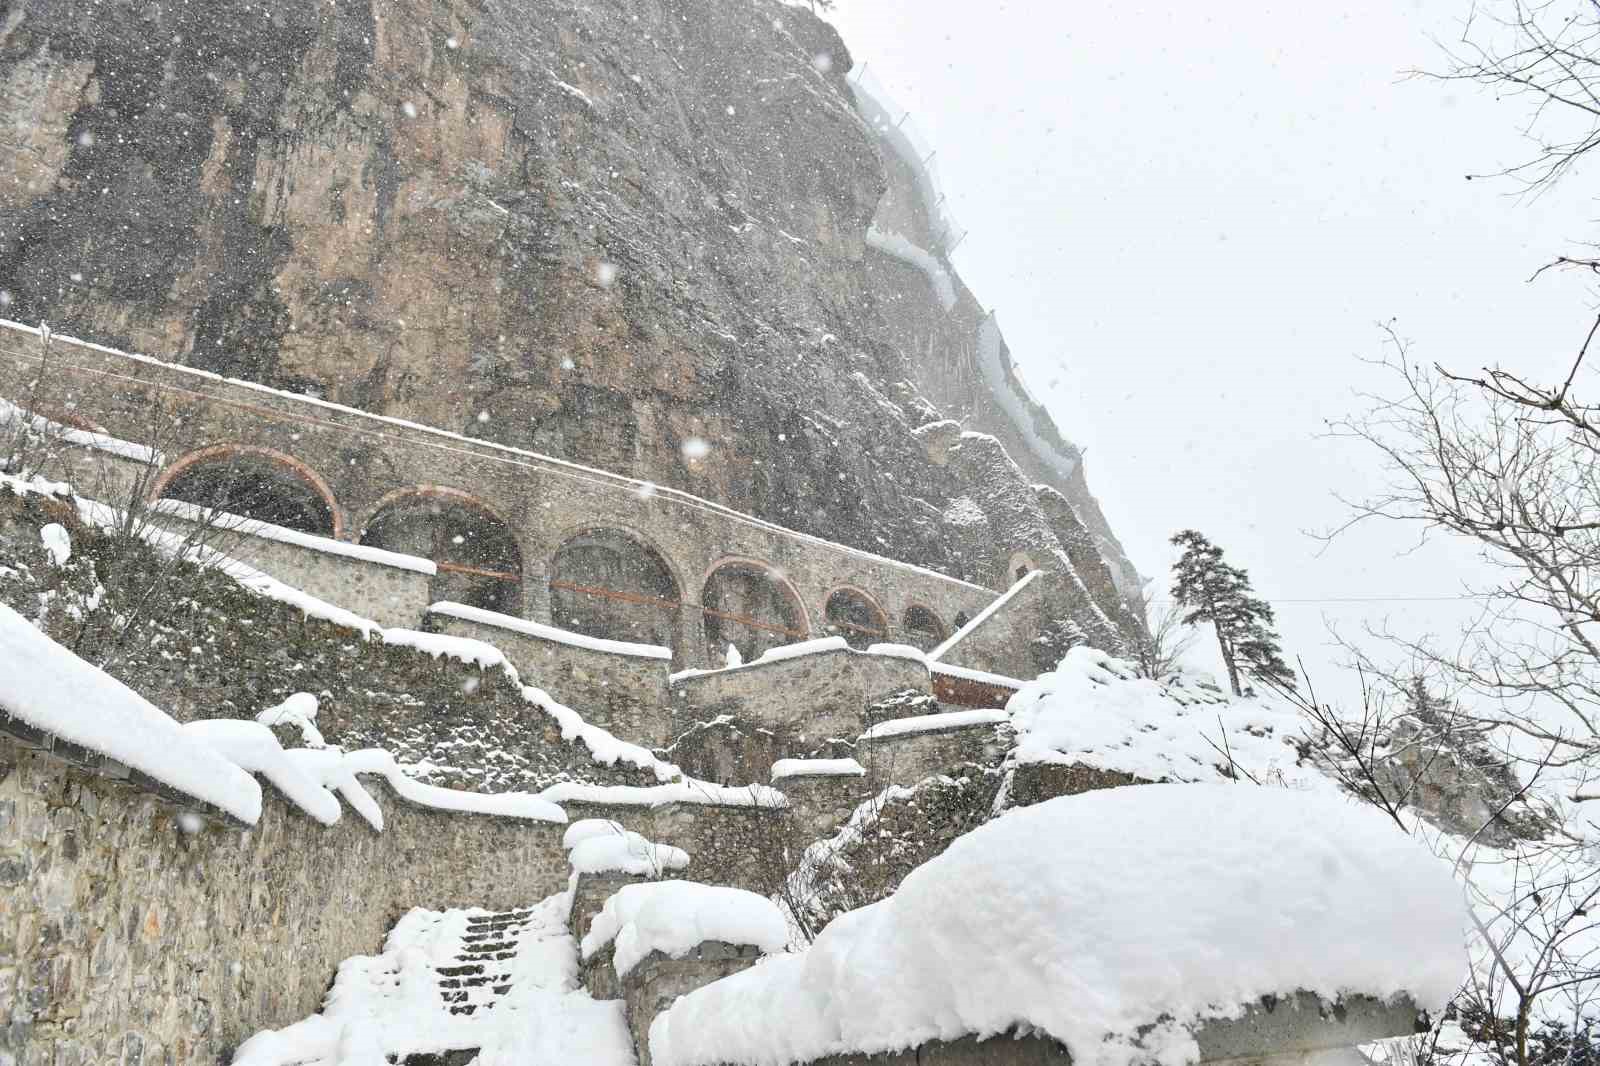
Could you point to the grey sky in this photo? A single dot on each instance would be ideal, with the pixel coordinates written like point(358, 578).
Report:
point(1193, 216)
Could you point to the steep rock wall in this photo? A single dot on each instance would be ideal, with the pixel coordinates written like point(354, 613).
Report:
point(597, 230)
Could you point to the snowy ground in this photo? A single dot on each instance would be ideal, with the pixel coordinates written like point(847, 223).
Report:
point(503, 982)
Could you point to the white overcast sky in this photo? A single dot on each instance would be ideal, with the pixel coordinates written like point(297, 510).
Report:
point(1194, 215)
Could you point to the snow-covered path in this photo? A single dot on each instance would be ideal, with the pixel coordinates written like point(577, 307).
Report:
point(503, 982)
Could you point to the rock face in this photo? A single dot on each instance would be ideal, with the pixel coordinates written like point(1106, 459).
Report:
point(601, 231)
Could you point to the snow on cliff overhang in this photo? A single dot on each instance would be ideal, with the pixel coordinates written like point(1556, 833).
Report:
point(1120, 922)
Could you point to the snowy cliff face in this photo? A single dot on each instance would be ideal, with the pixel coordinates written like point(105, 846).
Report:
point(600, 231)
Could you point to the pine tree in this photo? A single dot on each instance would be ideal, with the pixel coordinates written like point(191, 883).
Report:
point(1213, 591)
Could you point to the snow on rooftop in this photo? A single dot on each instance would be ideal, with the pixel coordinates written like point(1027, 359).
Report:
point(1094, 710)
point(1162, 906)
point(816, 768)
point(546, 632)
point(933, 723)
point(982, 616)
point(672, 917)
point(49, 688)
point(625, 853)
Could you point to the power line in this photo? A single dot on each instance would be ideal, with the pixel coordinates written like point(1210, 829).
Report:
point(1369, 599)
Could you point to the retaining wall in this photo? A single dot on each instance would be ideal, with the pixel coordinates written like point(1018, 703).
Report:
point(621, 692)
point(817, 696)
point(907, 758)
point(126, 939)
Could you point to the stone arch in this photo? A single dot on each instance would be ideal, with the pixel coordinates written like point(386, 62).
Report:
point(475, 549)
point(751, 605)
point(253, 482)
point(613, 583)
point(1019, 566)
point(921, 627)
point(853, 614)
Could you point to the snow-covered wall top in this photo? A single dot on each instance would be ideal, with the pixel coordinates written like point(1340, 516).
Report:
point(894, 125)
point(1025, 412)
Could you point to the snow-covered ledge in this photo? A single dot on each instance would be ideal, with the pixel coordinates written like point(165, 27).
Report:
point(1258, 924)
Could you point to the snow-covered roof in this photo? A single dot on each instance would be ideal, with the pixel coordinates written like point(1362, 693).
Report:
point(1093, 918)
point(47, 687)
point(672, 917)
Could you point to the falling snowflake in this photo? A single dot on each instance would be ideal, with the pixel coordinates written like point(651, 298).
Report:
point(605, 274)
point(567, 363)
point(5, 297)
point(646, 490)
point(695, 448)
point(730, 109)
point(823, 62)
point(483, 416)
point(409, 108)
point(470, 685)
point(190, 822)
point(86, 139)
point(452, 43)
point(458, 539)
point(75, 276)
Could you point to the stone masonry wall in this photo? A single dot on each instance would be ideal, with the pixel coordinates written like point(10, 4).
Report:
point(392, 596)
point(819, 696)
point(910, 757)
point(624, 694)
point(365, 459)
point(186, 943)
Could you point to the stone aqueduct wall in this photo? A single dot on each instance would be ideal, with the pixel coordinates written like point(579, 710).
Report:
point(361, 462)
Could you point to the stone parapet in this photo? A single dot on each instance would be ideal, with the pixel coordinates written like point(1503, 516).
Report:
point(816, 697)
point(622, 692)
point(906, 758)
point(656, 982)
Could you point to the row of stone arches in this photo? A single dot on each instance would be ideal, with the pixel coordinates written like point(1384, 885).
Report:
point(603, 582)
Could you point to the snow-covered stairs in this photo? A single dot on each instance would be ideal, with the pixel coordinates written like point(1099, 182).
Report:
point(480, 974)
point(502, 983)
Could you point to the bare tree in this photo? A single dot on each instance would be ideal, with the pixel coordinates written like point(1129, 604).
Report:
point(1159, 650)
point(1544, 54)
point(1509, 465)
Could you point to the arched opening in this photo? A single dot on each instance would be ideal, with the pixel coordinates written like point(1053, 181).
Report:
point(851, 614)
point(479, 562)
point(605, 583)
point(748, 605)
point(1019, 567)
point(253, 483)
point(922, 628)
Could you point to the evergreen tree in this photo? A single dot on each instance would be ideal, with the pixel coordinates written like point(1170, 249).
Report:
point(1213, 591)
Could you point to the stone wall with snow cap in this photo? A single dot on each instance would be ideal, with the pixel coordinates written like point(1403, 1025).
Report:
point(389, 588)
point(905, 751)
point(1283, 892)
point(822, 792)
point(620, 687)
point(132, 932)
point(821, 694)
